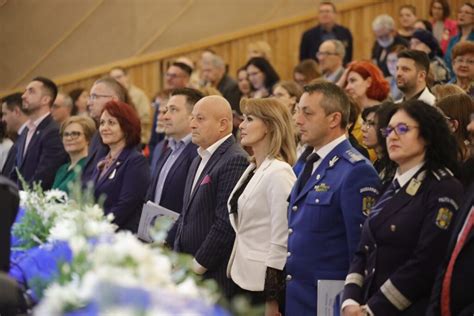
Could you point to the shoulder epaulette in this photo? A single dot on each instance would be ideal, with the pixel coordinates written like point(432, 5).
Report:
point(442, 173)
point(353, 156)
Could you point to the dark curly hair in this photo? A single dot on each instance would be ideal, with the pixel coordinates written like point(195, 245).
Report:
point(441, 146)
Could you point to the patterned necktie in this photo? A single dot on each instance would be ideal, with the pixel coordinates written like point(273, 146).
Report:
point(308, 170)
point(386, 196)
point(446, 287)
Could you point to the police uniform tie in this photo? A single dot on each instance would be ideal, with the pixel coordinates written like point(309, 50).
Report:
point(386, 196)
point(308, 170)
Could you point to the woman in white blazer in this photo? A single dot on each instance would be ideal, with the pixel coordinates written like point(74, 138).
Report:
point(258, 204)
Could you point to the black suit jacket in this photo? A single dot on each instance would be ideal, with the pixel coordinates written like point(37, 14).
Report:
point(9, 200)
point(203, 229)
point(230, 91)
point(44, 156)
point(10, 162)
point(462, 294)
point(97, 151)
point(312, 39)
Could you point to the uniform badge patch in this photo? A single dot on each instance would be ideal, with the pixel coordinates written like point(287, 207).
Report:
point(323, 187)
point(443, 218)
point(367, 203)
point(413, 186)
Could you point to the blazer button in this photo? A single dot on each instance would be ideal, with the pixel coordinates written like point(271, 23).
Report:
point(317, 201)
point(288, 277)
point(294, 208)
point(373, 270)
point(366, 248)
point(288, 254)
point(290, 231)
point(366, 272)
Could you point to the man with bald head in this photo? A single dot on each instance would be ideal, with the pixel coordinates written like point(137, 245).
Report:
point(203, 228)
point(103, 90)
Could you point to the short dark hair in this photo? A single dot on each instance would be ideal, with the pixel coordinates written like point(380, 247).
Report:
point(13, 100)
point(328, 3)
point(445, 5)
point(441, 146)
point(271, 76)
point(192, 96)
point(183, 67)
point(427, 24)
point(409, 7)
point(128, 120)
point(370, 109)
point(334, 99)
point(49, 86)
point(421, 59)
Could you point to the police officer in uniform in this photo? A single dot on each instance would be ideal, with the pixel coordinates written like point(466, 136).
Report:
point(405, 238)
point(330, 200)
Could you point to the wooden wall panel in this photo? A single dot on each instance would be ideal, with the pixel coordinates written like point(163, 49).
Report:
point(284, 37)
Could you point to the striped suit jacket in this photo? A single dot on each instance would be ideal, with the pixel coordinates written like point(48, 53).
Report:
point(203, 228)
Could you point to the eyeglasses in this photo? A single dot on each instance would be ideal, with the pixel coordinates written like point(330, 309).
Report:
point(460, 60)
point(324, 54)
point(368, 123)
point(253, 74)
point(400, 129)
point(94, 96)
point(72, 135)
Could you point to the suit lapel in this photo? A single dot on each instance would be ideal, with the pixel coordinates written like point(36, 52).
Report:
point(110, 174)
point(159, 165)
point(35, 138)
point(210, 165)
point(189, 182)
point(21, 147)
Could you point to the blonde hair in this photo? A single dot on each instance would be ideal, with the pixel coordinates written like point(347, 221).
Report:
point(87, 124)
point(441, 91)
point(260, 49)
point(277, 118)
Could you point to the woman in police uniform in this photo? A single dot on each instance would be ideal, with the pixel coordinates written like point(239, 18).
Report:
point(405, 237)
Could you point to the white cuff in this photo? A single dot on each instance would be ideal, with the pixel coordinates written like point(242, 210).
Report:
point(348, 302)
point(198, 268)
point(367, 309)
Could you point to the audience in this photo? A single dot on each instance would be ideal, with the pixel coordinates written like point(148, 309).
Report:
point(139, 99)
point(406, 234)
point(412, 70)
point(262, 76)
point(259, 49)
point(306, 71)
point(258, 204)
point(121, 176)
point(14, 117)
point(424, 41)
point(5, 142)
point(463, 66)
point(288, 93)
point(443, 28)
point(457, 108)
point(392, 60)
point(215, 75)
point(465, 23)
point(243, 83)
point(40, 151)
point(203, 228)
point(325, 30)
point(386, 37)
point(62, 108)
point(406, 19)
point(76, 132)
point(422, 24)
point(329, 201)
point(79, 98)
point(330, 56)
point(441, 91)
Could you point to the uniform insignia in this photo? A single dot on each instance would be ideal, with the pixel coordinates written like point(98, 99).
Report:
point(367, 203)
point(354, 157)
point(413, 186)
point(443, 218)
point(333, 161)
point(112, 175)
point(323, 187)
point(369, 189)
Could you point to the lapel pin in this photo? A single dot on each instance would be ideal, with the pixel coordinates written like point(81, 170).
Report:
point(333, 161)
point(112, 175)
point(393, 228)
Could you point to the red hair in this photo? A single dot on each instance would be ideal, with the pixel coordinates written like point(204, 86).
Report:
point(128, 120)
point(379, 88)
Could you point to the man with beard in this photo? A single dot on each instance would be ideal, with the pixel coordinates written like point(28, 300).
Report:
point(386, 38)
point(412, 69)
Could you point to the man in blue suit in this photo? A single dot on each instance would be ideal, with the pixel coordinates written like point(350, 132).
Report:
point(40, 151)
point(330, 200)
point(171, 169)
point(203, 228)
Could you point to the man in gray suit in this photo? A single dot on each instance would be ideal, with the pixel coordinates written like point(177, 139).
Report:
point(203, 228)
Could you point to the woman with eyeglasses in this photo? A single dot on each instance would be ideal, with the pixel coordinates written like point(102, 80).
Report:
point(123, 175)
point(262, 76)
point(76, 133)
point(463, 66)
point(405, 237)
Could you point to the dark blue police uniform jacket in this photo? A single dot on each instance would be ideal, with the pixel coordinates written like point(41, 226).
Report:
point(124, 186)
point(325, 221)
point(403, 245)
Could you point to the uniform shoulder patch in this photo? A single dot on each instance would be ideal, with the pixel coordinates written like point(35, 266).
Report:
point(442, 173)
point(353, 156)
point(443, 218)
